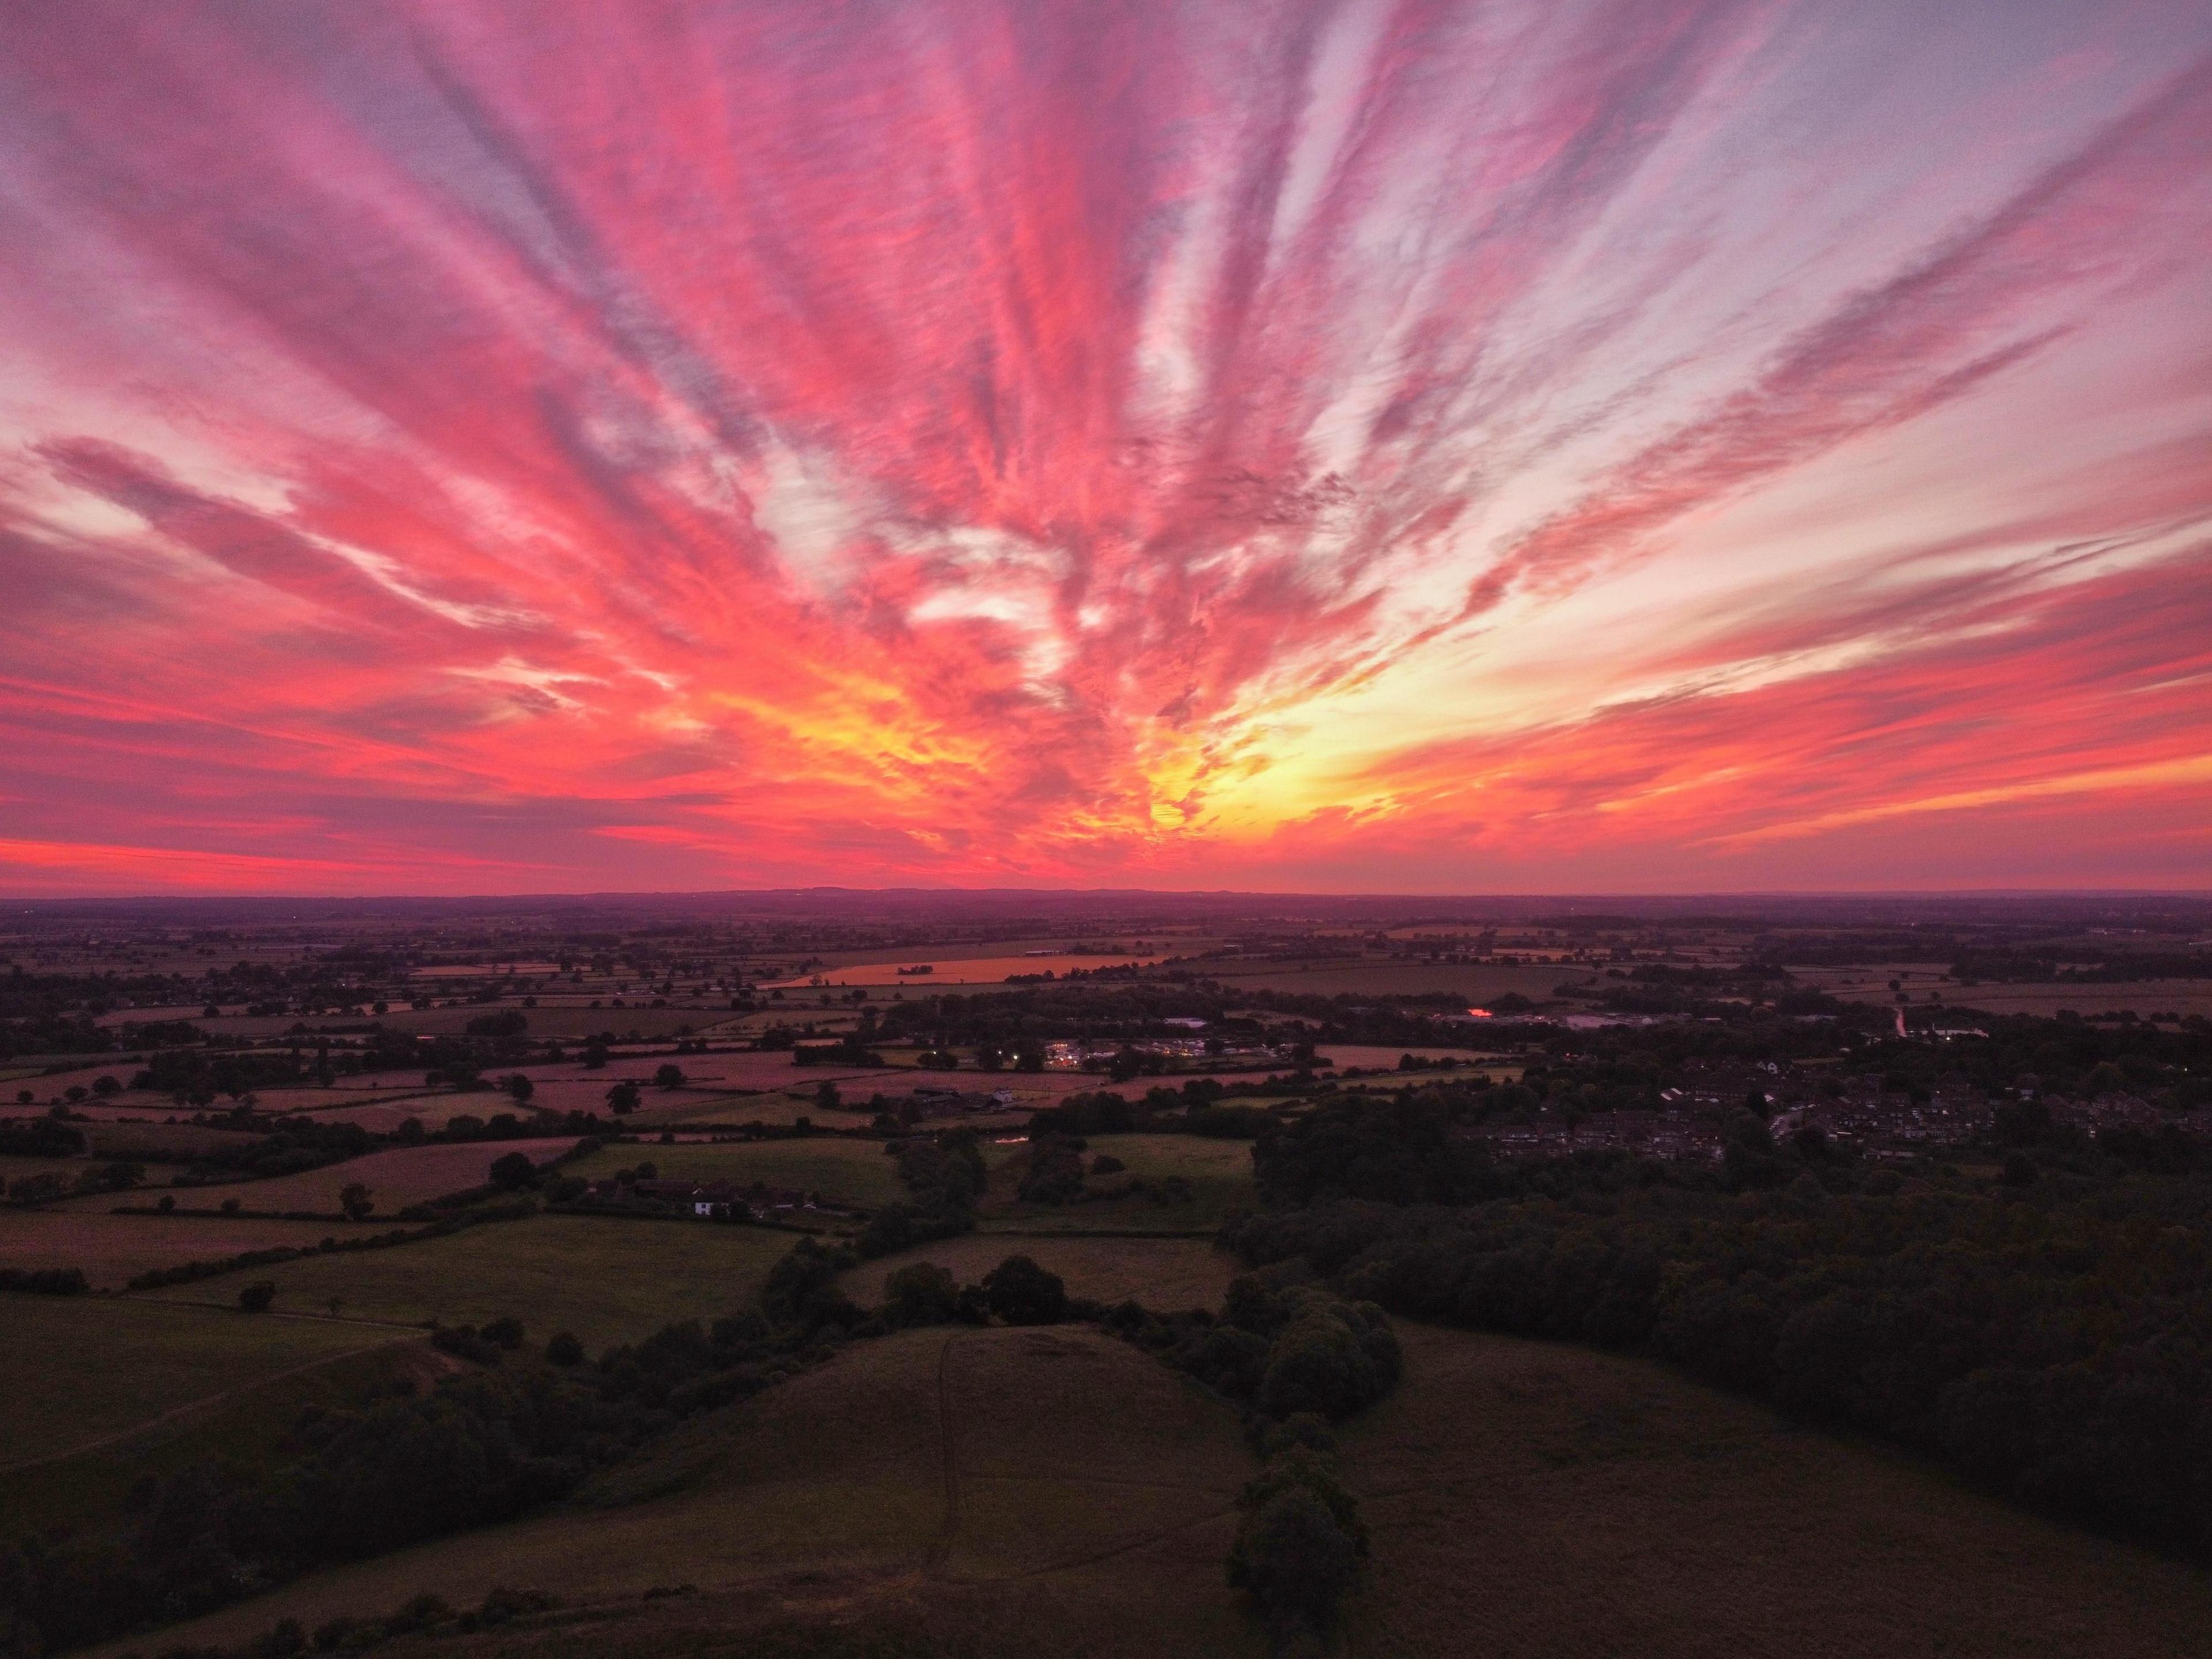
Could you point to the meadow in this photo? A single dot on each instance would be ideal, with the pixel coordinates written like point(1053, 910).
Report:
point(114, 1249)
point(1218, 1174)
point(607, 1280)
point(395, 1179)
point(78, 1370)
point(1057, 1474)
point(1057, 1491)
point(1563, 1503)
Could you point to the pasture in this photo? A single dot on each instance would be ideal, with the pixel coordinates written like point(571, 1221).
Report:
point(1563, 1503)
point(1056, 1479)
point(395, 1179)
point(78, 1370)
point(1218, 1174)
point(608, 1281)
point(113, 1250)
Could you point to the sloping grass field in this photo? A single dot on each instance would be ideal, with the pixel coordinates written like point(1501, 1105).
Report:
point(75, 1370)
point(1056, 1472)
point(1534, 1501)
point(608, 1281)
point(113, 1250)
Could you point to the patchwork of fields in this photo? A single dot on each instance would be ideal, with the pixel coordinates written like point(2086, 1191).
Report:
point(607, 1280)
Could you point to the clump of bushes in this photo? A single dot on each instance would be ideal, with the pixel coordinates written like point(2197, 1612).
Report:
point(1300, 1545)
point(1282, 1353)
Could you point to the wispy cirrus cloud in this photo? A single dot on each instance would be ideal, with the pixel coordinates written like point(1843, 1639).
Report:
point(1399, 444)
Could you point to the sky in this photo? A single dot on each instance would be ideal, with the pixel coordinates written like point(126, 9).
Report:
point(1607, 446)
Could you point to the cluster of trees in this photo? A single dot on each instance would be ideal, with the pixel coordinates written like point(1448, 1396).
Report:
point(2041, 1337)
point(945, 1173)
point(1282, 1353)
point(45, 1281)
point(116, 1175)
point(40, 1137)
point(1297, 1357)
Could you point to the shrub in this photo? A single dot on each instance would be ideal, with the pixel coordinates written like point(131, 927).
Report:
point(561, 1348)
point(1020, 1292)
point(1299, 1545)
point(920, 1293)
point(257, 1296)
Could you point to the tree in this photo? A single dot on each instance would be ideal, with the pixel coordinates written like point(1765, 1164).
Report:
point(595, 1056)
point(670, 1076)
point(513, 1172)
point(826, 1097)
point(356, 1202)
point(257, 1296)
point(1022, 1293)
point(920, 1293)
point(1300, 1544)
point(622, 1099)
point(561, 1348)
point(521, 1087)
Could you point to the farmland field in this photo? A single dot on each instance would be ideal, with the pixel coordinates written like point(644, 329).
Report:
point(79, 1369)
point(1369, 1055)
point(176, 1142)
point(403, 1176)
point(1219, 1174)
point(1059, 1479)
point(1163, 1274)
point(1566, 1502)
point(857, 1171)
point(955, 970)
point(607, 1280)
point(1328, 979)
point(114, 1249)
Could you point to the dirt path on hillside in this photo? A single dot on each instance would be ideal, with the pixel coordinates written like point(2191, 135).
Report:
point(951, 1454)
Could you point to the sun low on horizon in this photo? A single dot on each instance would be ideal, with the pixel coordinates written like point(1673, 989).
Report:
point(463, 447)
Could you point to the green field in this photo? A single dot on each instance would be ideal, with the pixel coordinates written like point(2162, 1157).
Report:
point(395, 1179)
point(1220, 1173)
point(1326, 978)
point(1057, 1477)
point(608, 1281)
point(857, 1171)
point(1562, 1503)
point(114, 1249)
point(76, 1369)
